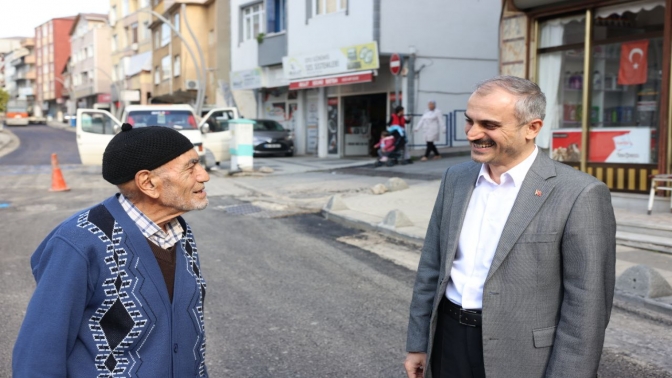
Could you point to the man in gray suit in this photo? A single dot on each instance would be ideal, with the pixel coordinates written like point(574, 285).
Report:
point(516, 276)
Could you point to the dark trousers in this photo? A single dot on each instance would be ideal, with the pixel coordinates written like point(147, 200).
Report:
point(431, 148)
point(458, 348)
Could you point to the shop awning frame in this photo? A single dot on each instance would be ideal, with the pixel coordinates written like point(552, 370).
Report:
point(332, 80)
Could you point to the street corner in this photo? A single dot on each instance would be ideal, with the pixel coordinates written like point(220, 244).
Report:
point(8, 142)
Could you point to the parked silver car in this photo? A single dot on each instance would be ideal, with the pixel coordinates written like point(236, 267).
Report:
point(270, 138)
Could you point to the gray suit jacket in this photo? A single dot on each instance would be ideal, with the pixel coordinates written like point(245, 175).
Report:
point(548, 295)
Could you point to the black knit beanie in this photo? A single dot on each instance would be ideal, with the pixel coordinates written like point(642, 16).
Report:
point(135, 149)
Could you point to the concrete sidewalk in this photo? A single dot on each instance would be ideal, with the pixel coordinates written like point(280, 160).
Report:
point(404, 214)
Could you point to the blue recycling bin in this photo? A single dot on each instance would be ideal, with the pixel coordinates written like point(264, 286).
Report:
point(73, 121)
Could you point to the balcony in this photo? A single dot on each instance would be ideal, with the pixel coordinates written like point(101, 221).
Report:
point(272, 49)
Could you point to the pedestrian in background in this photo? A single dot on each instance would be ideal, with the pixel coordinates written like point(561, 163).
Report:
point(516, 276)
point(119, 286)
point(397, 119)
point(431, 124)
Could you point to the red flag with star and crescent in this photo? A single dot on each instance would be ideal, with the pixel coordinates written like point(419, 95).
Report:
point(634, 64)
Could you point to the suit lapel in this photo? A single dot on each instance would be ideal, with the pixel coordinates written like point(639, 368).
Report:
point(534, 191)
point(458, 208)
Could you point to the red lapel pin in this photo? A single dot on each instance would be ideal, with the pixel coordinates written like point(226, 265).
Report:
point(537, 193)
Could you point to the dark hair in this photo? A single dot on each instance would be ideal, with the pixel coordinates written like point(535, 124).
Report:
point(384, 133)
point(398, 109)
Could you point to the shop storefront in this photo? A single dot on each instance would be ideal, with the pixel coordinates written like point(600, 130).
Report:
point(605, 69)
point(345, 89)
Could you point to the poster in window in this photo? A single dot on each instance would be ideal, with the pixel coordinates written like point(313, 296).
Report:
point(332, 125)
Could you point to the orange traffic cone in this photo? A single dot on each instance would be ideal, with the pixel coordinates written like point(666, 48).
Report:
point(57, 181)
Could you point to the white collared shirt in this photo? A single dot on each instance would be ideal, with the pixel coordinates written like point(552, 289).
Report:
point(149, 229)
point(488, 211)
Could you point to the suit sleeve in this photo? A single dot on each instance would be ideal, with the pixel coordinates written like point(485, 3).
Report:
point(589, 263)
point(54, 314)
point(426, 281)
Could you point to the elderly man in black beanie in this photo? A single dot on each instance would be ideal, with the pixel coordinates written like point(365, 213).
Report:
point(119, 285)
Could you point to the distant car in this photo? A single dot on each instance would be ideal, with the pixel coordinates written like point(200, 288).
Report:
point(270, 138)
point(96, 127)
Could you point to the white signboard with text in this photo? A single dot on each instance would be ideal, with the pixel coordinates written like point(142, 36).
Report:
point(346, 59)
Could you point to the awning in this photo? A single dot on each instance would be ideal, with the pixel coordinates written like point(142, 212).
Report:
point(139, 62)
point(333, 80)
point(635, 7)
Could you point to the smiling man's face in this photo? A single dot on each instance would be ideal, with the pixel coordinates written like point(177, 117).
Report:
point(497, 137)
point(183, 183)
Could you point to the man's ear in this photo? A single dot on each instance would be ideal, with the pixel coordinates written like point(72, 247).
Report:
point(147, 183)
point(533, 128)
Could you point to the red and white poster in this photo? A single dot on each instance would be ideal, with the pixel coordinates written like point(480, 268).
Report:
point(607, 145)
point(634, 64)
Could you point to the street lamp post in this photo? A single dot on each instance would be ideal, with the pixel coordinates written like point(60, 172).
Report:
point(199, 71)
point(69, 88)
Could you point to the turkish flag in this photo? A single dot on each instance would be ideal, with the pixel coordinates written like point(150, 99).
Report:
point(634, 65)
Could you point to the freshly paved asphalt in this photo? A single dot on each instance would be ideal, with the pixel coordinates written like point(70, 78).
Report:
point(38, 142)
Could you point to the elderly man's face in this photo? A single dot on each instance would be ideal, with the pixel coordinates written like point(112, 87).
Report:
point(431, 105)
point(183, 183)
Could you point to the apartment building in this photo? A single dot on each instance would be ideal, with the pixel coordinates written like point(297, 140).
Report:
point(131, 51)
point(22, 64)
point(52, 50)
point(175, 75)
point(322, 67)
point(7, 45)
point(90, 64)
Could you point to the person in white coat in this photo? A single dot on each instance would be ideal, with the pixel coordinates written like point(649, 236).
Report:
point(431, 124)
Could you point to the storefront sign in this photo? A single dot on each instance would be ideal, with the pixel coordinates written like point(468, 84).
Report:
point(247, 79)
point(332, 81)
point(104, 97)
point(607, 145)
point(346, 59)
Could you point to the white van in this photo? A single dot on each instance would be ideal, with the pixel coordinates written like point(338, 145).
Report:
point(96, 127)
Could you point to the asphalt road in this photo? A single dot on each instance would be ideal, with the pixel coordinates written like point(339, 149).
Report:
point(38, 142)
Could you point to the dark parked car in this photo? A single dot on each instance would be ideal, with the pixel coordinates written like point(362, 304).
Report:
point(270, 138)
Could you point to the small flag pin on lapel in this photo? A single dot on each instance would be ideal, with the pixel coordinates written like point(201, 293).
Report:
point(537, 193)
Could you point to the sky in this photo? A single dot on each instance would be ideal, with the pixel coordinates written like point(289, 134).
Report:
point(18, 18)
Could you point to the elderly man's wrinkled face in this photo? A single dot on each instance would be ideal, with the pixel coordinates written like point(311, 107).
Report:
point(183, 183)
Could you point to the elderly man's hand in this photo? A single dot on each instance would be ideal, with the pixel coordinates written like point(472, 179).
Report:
point(415, 364)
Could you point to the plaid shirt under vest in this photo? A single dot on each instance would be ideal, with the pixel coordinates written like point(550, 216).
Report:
point(154, 233)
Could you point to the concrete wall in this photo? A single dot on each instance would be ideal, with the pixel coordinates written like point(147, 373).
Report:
point(308, 34)
point(456, 46)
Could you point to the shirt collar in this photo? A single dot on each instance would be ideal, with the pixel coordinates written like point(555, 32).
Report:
point(149, 229)
point(515, 175)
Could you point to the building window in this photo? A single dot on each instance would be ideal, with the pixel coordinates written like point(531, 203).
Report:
point(114, 43)
point(113, 15)
point(165, 67)
point(90, 52)
point(134, 33)
point(124, 8)
point(276, 16)
point(165, 34)
point(252, 21)
point(115, 77)
point(157, 75)
point(146, 32)
point(157, 39)
point(322, 7)
point(176, 21)
point(176, 66)
point(144, 3)
point(211, 37)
